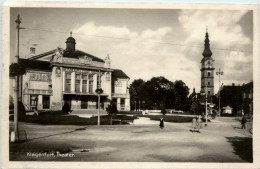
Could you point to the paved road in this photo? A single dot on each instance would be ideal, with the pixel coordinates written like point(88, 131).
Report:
point(133, 143)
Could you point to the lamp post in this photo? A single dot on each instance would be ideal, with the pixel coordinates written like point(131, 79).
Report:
point(15, 135)
point(219, 73)
point(99, 91)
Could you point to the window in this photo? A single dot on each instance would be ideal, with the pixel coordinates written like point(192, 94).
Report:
point(208, 73)
point(208, 83)
point(108, 76)
point(77, 83)
point(34, 100)
point(67, 82)
point(98, 81)
point(122, 102)
point(84, 83)
point(90, 83)
point(208, 92)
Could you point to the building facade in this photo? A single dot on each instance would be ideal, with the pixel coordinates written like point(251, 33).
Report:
point(247, 95)
point(207, 69)
point(72, 76)
point(239, 97)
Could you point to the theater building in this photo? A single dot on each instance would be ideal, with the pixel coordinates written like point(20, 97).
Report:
point(72, 76)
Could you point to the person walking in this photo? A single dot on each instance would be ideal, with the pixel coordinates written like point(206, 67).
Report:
point(199, 124)
point(194, 124)
point(243, 122)
point(161, 123)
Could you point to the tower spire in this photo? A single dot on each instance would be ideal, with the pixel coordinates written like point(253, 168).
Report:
point(207, 52)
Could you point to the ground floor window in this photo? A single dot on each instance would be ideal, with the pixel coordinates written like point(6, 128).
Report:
point(122, 102)
point(34, 101)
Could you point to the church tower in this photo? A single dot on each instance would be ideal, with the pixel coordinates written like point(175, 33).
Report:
point(207, 69)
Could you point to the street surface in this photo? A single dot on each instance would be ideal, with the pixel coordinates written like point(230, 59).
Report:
point(132, 143)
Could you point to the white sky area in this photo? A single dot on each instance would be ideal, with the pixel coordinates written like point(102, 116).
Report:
point(181, 34)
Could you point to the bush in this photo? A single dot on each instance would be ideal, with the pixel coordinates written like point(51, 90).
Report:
point(163, 110)
point(111, 110)
point(66, 108)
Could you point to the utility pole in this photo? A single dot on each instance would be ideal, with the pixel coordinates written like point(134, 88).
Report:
point(99, 87)
point(16, 90)
point(219, 73)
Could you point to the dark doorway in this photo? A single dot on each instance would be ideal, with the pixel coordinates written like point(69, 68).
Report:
point(45, 102)
point(84, 102)
point(67, 99)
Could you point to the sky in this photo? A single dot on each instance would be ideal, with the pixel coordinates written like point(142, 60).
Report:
point(145, 43)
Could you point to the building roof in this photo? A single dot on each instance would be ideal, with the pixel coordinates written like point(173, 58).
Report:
point(119, 74)
point(35, 64)
point(77, 53)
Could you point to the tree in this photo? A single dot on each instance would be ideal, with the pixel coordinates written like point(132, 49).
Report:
point(181, 92)
point(163, 110)
point(111, 110)
point(159, 92)
point(198, 104)
point(135, 92)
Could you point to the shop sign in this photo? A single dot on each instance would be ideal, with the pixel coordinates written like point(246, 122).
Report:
point(40, 77)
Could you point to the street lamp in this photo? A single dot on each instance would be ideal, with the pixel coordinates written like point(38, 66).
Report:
point(219, 73)
point(15, 133)
point(99, 91)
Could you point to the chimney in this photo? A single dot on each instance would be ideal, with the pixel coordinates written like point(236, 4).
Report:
point(233, 84)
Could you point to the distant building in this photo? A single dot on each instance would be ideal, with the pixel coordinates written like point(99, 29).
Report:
point(240, 98)
point(207, 69)
point(247, 94)
point(231, 95)
point(72, 76)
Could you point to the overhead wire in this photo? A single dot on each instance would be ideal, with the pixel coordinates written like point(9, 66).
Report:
point(138, 40)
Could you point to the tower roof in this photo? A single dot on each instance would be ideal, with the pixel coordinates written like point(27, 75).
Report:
point(71, 39)
point(207, 52)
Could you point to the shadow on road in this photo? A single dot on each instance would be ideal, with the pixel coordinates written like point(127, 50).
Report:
point(242, 147)
point(78, 129)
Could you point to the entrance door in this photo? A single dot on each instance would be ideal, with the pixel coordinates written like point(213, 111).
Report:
point(45, 102)
point(84, 102)
point(67, 99)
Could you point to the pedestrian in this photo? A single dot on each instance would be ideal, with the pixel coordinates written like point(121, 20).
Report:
point(199, 124)
point(194, 124)
point(161, 123)
point(243, 122)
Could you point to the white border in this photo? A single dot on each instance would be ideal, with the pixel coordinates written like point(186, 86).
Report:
point(5, 86)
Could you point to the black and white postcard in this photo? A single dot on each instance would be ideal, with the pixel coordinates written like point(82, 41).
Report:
point(130, 85)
